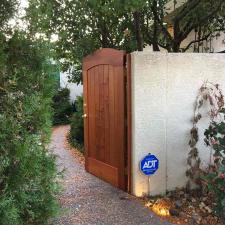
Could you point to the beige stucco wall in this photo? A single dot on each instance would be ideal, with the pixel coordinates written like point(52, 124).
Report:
point(164, 89)
point(75, 90)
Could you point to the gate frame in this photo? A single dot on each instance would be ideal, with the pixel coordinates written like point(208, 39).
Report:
point(129, 123)
point(128, 107)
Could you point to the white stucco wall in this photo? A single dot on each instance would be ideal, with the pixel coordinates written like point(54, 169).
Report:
point(164, 89)
point(75, 89)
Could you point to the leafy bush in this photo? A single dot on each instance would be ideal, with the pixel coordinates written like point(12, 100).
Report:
point(76, 136)
point(215, 137)
point(28, 173)
point(62, 107)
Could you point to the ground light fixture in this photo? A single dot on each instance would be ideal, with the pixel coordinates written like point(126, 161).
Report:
point(162, 207)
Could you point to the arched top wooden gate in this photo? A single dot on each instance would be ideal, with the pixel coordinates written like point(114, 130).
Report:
point(104, 56)
point(105, 113)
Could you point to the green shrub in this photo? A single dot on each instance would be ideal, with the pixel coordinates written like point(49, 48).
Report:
point(28, 173)
point(76, 136)
point(62, 107)
point(215, 178)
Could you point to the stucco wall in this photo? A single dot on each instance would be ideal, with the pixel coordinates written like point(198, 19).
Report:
point(164, 89)
point(75, 89)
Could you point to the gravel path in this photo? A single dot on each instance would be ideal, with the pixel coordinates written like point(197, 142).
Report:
point(87, 200)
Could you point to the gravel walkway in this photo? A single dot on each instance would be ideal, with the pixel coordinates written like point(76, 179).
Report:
point(87, 200)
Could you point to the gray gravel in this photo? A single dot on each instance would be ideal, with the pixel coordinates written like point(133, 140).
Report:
point(87, 200)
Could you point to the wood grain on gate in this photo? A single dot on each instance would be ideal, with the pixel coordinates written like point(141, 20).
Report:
point(105, 106)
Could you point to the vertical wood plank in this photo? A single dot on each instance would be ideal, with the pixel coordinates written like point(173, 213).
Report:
point(116, 151)
point(97, 113)
point(106, 112)
point(121, 124)
point(101, 122)
point(111, 116)
point(91, 113)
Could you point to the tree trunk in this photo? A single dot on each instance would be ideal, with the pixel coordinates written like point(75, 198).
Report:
point(176, 46)
point(199, 37)
point(104, 42)
point(104, 34)
point(177, 37)
point(155, 28)
point(137, 26)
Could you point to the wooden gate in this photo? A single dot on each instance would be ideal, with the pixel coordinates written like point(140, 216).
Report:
point(105, 116)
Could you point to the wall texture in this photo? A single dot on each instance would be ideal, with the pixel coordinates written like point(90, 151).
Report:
point(164, 89)
point(75, 89)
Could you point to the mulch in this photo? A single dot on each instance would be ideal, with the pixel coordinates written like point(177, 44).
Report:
point(185, 208)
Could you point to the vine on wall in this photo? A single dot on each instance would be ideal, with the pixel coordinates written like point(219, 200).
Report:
point(210, 95)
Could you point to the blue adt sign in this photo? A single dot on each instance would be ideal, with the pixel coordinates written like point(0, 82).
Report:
point(149, 165)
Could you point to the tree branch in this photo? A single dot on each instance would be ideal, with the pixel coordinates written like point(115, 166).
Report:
point(190, 5)
point(196, 41)
point(155, 27)
point(150, 42)
point(189, 27)
point(137, 25)
point(3, 89)
point(164, 30)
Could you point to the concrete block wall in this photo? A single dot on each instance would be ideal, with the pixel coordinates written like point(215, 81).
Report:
point(164, 90)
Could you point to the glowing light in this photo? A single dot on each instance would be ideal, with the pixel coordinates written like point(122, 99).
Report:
point(148, 204)
point(161, 211)
point(162, 207)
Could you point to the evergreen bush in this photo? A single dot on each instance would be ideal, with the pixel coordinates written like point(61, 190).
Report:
point(215, 177)
point(62, 107)
point(76, 135)
point(28, 173)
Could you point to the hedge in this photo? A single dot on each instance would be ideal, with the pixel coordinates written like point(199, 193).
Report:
point(76, 135)
point(28, 173)
point(62, 107)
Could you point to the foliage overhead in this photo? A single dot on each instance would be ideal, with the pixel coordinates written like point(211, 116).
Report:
point(84, 26)
point(7, 10)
